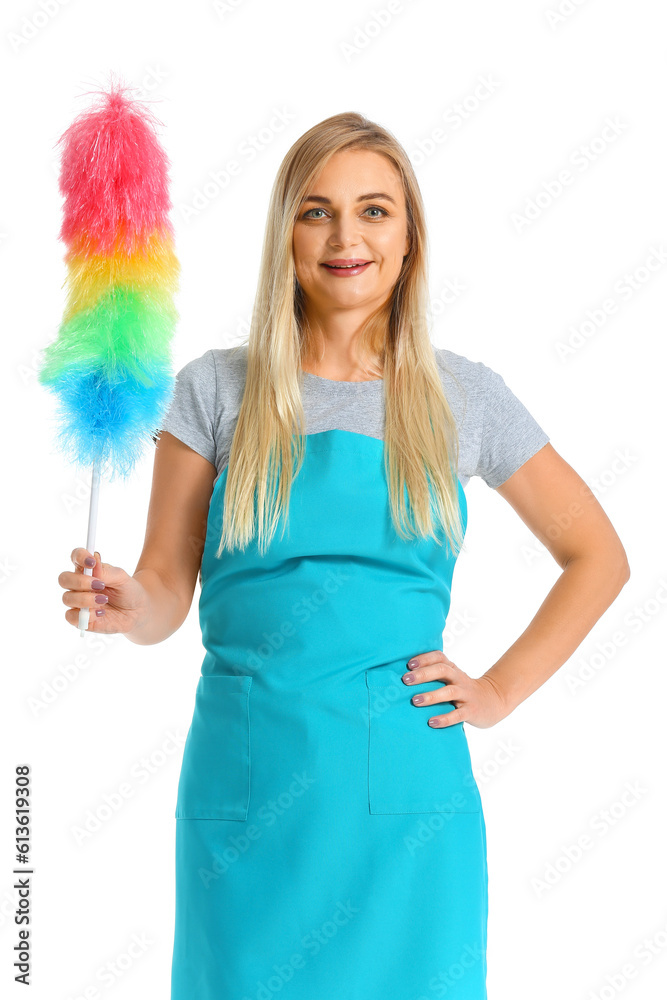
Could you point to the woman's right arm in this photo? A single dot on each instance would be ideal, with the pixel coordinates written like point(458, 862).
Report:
point(153, 603)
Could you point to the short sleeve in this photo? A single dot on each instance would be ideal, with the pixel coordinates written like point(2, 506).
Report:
point(191, 413)
point(510, 433)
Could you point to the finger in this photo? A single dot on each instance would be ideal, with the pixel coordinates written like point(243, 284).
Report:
point(448, 719)
point(79, 557)
point(95, 621)
point(91, 599)
point(436, 672)
point(450, 692)
point(78, 581)
point(428, 659)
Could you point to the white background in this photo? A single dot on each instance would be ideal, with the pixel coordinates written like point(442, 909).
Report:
point(215, 76)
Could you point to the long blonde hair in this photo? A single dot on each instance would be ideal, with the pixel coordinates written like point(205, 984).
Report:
point(420, 438)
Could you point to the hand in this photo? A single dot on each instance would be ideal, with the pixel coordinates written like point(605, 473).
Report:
point(478, 701)
point(126, 603)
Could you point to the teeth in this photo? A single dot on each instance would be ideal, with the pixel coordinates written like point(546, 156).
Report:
point(342, 266)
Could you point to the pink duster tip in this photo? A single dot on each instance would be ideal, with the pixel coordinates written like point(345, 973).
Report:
point(114, 176)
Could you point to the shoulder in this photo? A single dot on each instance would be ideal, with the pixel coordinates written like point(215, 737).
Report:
point(217, 376)
point(466, 383)
point(497, 431)
point(458, 368)
point(195, 380)
point(230, 365)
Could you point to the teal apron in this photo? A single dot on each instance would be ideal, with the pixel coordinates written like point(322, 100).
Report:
point(330, 844)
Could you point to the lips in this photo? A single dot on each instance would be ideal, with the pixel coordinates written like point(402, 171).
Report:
point(345, 263)
point(346, 269)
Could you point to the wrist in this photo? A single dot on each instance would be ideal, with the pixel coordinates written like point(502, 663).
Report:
point(506, 702)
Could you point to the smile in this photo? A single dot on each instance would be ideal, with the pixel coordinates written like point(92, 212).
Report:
point(343, 270)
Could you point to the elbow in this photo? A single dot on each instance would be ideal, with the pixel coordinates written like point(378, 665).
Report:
point(625, 572)
point(618, 572)
point(622, 566)
point(614, 567)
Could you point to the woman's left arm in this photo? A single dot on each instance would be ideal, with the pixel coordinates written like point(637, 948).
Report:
point(562, 512)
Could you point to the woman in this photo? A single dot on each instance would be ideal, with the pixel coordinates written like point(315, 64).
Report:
point(330, 841)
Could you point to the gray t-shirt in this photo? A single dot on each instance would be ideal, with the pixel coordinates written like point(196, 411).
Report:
point(497, 434)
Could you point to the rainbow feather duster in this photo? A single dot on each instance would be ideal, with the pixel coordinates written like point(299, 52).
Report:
point(110, 365)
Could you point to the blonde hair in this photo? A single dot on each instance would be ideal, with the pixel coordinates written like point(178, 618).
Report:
point(420, 438)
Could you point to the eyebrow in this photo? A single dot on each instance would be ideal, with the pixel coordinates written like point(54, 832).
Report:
point(362, 197)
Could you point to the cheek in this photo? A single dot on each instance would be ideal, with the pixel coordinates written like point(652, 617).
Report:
point(305, 257)
point(306, 271)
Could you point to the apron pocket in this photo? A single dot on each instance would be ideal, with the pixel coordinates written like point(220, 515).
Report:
point(413, 767)
point(215, 774)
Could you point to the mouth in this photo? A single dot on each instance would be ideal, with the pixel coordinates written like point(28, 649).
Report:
point(343, 267)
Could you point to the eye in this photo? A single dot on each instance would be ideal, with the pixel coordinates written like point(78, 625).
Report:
point(375, 208)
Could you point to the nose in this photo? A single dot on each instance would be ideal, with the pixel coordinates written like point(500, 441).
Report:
point(345, 230)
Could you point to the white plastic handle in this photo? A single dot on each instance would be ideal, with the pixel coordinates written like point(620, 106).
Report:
point(84, 613)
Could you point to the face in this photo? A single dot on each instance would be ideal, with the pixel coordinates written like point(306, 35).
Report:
point(339, 222)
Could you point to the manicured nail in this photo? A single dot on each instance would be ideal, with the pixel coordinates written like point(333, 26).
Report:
point(418, 699)
point(101, 598)
point(409, 678)
point(413, 663)
point(97, 584)
point(100, 611)
point(433, 722)
point(89, 561)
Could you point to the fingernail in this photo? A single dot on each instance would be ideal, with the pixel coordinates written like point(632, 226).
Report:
point(101, 598)
point(89, 561)
point(408, 678)
point(99, 612)
point(418, 699)
point(413, 663)
point(97, 584)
